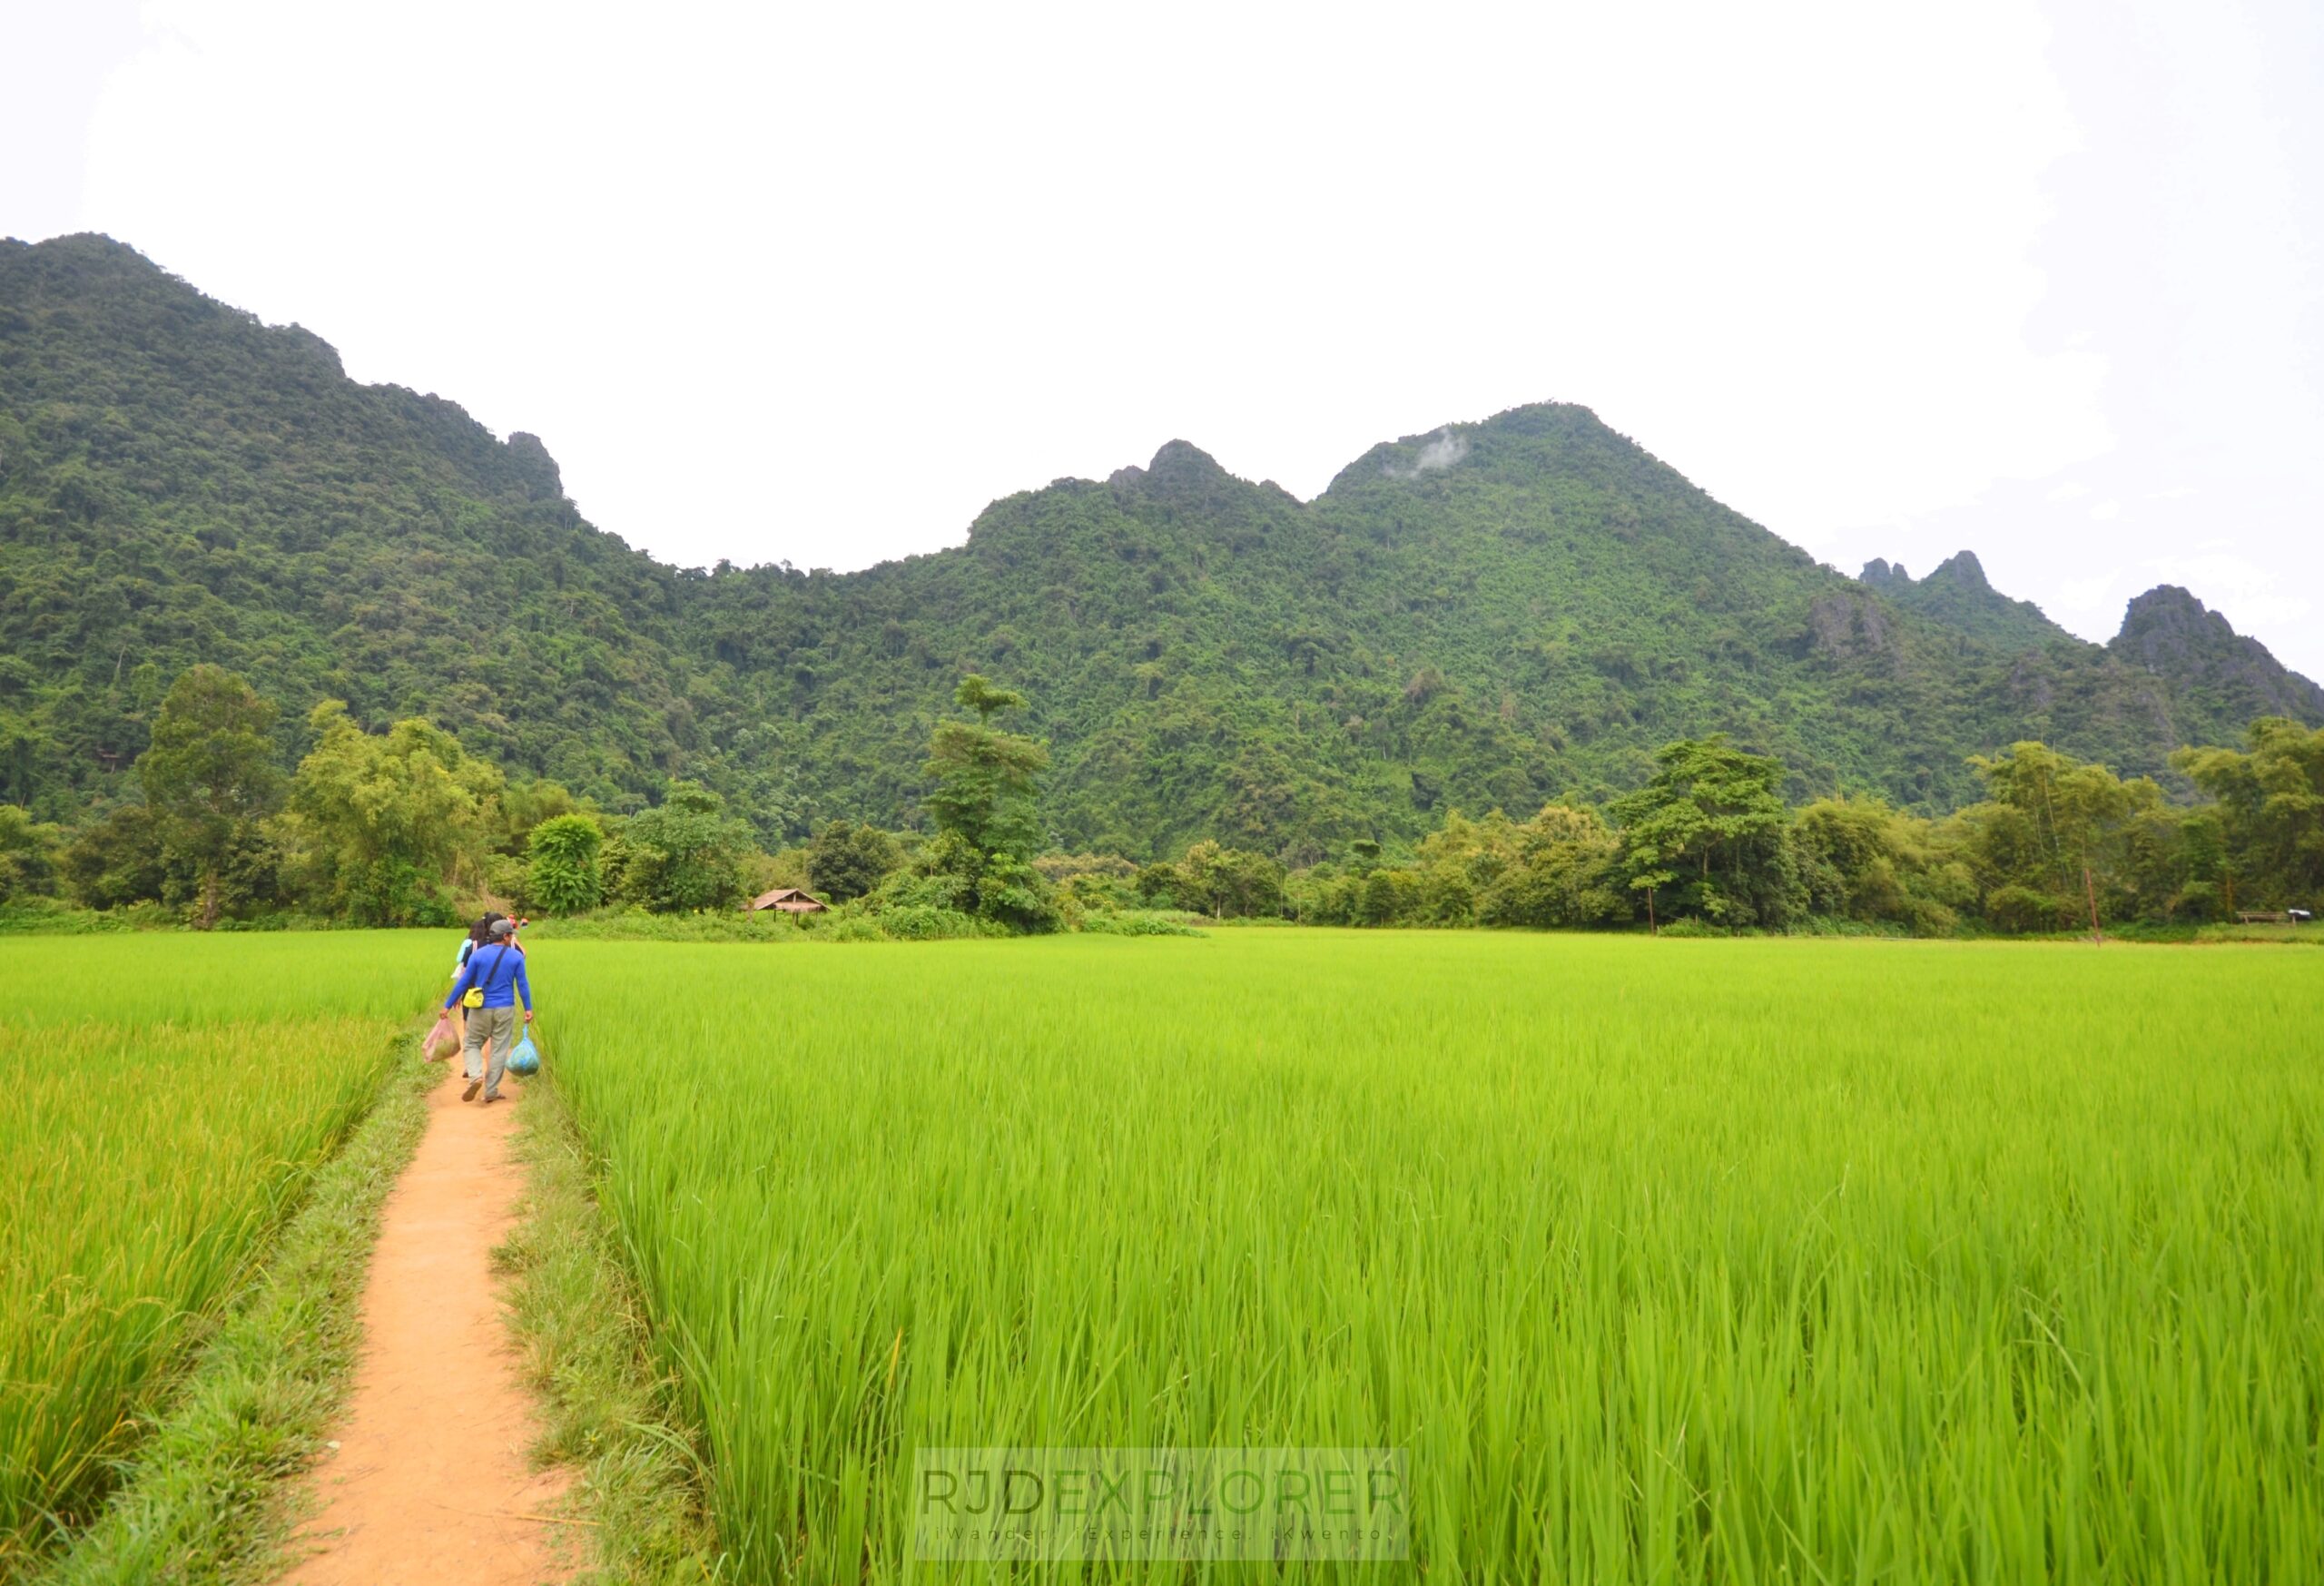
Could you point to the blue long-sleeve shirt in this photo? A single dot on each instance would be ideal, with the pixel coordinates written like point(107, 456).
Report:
point(500, 970)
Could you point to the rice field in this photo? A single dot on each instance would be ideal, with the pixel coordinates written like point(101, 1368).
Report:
point(163, 1100)
point(1676, 1261)
point(1738, 1262)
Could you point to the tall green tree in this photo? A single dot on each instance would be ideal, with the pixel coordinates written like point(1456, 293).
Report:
point(2270, 815)
point(985, 698)
point(1861, 858)
point(1708, 826)
point(2055, 843)
point(1229, 882)
point(1565, 871)
point(985, 779)
point(522, 806)
point(847, 859)
point(684, 855)
point(117, 860)
point(28, 854)
point(985, 804)
point(210, 777)
point(562, 872)
point(389, 824)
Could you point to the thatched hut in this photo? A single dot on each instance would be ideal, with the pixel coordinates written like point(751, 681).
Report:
point(790, 900)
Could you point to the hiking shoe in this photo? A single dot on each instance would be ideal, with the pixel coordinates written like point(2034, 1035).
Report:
point(492, 1098)
point(470, 1094)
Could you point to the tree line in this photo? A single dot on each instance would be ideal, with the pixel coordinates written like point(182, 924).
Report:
point(2057, 845)
point(402, 826)
point(397, 827)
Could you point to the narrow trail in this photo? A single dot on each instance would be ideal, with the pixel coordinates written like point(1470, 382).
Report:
point(429, 1486)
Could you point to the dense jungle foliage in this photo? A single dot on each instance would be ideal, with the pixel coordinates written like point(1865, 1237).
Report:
point(1497, 615)
point(404, 827)
point(2056, 844)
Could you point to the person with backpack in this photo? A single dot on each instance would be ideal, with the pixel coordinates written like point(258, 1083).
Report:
point(478, 934)
point(489, 985)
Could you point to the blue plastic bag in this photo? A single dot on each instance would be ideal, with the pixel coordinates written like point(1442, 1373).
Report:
point(525, 1058)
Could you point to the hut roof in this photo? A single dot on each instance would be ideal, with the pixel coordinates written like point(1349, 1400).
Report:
point(790, 900)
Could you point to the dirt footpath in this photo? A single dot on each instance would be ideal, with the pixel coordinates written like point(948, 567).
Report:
point(429, 1486)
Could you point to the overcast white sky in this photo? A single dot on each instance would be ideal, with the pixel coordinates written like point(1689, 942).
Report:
point(2042, 280)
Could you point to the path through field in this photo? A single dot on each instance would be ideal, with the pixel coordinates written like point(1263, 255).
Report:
point(430, 1483)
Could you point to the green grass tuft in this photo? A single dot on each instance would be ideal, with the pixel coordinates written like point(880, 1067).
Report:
point(608, 1412)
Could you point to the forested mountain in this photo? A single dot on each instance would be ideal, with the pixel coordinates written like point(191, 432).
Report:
point(1491, 614)
point(1957, 595)
point(2215, 672)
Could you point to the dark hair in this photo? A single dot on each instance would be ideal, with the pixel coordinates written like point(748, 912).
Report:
point(481, 931)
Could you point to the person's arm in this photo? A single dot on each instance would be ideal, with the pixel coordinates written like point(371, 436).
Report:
point(524, 987)
point(460, 982)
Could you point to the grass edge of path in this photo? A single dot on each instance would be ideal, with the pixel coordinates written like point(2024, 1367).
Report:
point(204, 1502)
point(606, 1410)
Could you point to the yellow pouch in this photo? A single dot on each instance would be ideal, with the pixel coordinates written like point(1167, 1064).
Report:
point(474, 996)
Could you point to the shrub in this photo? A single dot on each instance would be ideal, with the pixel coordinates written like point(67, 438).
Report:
point(1690, 926)
point(1136, 922)
point(922, 922)
point(2021, 910)
point(562, 874)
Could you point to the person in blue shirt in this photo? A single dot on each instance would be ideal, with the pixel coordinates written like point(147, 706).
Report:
point(478, 934)
point(497, 970)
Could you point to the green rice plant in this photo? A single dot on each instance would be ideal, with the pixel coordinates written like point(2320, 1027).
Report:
point(162, 1101)
point(1745, 1261)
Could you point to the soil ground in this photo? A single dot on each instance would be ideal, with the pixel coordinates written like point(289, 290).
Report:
point(429, 1484)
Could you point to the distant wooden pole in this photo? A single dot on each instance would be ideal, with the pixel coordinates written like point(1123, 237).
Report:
point(2090, 890)
point(1652, 928)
